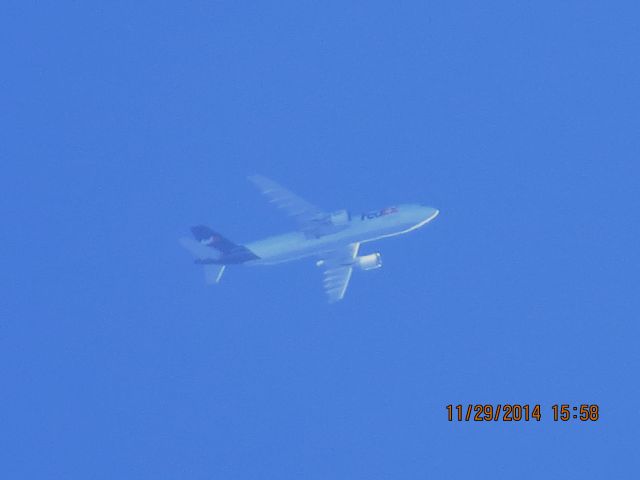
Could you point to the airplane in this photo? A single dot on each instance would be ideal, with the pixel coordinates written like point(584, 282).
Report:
point(333, 239)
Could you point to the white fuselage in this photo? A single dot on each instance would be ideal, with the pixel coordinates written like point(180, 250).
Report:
point(361, 228)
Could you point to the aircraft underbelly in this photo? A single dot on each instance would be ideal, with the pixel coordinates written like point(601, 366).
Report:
point(294, 246)
point(292, 250)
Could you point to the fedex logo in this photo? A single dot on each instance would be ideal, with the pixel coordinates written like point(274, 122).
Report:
point(379, 213)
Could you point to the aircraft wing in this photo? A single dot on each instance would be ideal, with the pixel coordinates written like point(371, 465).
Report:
point(338, 268)
point(310, 219)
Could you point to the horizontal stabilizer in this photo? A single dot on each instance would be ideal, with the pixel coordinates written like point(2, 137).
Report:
point(213, 273)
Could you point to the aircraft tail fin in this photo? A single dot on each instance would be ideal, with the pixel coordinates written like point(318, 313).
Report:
point(205, 236)
point(208, 257)
point(203, 253)
point(214, 252)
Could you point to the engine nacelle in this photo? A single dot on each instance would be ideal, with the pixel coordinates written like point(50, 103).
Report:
point(341, 217)
point(368, 262)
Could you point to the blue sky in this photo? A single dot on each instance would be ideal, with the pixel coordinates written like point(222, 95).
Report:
point(124, 123)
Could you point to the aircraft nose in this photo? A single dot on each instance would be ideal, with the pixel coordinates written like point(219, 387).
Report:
point(431, 213)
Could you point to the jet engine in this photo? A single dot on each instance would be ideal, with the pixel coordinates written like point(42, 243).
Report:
point(368, 262)
point(341, 217)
